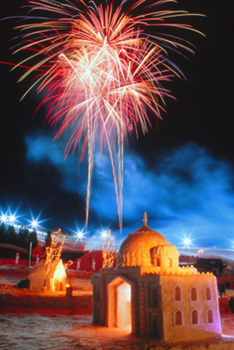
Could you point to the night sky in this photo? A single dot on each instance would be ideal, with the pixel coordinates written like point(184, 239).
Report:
point(181, 172)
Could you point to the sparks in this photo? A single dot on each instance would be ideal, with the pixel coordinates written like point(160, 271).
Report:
point(102, 67)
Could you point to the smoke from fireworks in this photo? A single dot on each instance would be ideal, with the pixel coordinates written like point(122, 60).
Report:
point(102, 67)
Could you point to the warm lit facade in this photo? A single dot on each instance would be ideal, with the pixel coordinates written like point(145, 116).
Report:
point(48, 277)
point(154, 296)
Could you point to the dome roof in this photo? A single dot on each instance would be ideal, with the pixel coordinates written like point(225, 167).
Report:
point(136, 249)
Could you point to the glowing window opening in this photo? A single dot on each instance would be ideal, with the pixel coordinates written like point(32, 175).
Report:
point(209, 316)
point(194, 317)
point(178, 318)
point(208, 294)
point(193, 294)
point(177, 294)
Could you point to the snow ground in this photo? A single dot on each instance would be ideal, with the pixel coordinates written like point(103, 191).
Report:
point(70, 332)
point(25, 329)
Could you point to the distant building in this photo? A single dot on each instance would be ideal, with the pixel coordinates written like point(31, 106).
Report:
point(215, 266)
point(91, 261)
point(149, 292)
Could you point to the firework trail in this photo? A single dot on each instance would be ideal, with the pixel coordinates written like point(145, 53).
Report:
point(102, 65)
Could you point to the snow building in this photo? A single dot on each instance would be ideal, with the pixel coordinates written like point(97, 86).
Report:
point(151, 294)
point(48, 276)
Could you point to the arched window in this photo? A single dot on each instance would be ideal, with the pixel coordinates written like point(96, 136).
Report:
point(154, 297)
point(168, 262)
point(193, 294)
point(210, 318)
point(155, 259)
point(194, 317)
point(208, 293)
point(177, 293)
point(178, 318)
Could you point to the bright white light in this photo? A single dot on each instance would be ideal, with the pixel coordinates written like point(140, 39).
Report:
point(80, 235)
point(12, 219)
point(8, 218)
point(104, 234)
point(187, 242)
point(34, 224)
point(3, 218)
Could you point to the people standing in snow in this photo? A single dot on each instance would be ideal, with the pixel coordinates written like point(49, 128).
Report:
point(231, 304)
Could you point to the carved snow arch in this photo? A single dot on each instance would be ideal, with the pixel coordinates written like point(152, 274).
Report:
point(119, 303)
point(177, 293)
point(193, 294)
point(194, 317)
point(178, 318)
point(209, 316)
point(208, 293)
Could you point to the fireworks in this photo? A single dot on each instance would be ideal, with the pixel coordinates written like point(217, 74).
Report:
point(102, 67)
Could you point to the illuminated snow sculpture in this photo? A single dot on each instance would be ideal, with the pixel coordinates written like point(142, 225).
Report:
point(50, 274)
point(108, 249)
point(154, 296)
point(53, 280)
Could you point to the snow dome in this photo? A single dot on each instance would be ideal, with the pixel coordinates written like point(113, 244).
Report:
point(147, 248)
point(151, 295)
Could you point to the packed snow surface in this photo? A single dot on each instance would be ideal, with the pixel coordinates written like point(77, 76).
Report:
point(68, 332)
point(45, 329)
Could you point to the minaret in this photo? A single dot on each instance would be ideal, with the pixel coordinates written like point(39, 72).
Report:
point(145, 219)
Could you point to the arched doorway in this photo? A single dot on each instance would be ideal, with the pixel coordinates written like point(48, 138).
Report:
point(120, 304)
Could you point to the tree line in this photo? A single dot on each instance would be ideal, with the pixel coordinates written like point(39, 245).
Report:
point(21, 239)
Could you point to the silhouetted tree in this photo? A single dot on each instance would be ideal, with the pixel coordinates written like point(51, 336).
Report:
point(22, 237)
point(48, 239)
point(31, 237)
point(3, 233)
point(11, 235)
